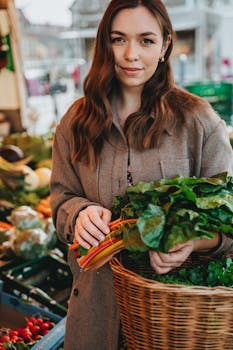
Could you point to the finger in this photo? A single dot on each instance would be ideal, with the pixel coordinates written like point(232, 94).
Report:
point(161, 262)
point(166, 259)
point(99, 216)
point(107, 215)
point(161, 270)
point(157, 260)
point(177, 256)
point(82, 242)
point(84, 236)
point(88, 226)
point(100, 220)
point(179, 247)
point(92, 238)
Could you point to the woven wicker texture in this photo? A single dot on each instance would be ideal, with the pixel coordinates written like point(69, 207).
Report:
point(158, 316)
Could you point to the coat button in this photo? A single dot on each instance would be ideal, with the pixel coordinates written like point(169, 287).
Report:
point(75, 292)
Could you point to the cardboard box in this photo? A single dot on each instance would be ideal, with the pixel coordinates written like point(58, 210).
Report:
point(13, 312)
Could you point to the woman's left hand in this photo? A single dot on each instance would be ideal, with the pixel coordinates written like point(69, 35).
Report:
point(164, 262)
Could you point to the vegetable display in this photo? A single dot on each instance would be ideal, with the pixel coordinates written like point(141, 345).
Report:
point(28, 235)
point(159, 215)
point(21, 185)
point(37, 146)
point(24, 338)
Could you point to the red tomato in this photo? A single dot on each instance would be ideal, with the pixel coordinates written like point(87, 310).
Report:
point(14, 339)
point(26, 334)
point(45, 331)
point(38, 337)
point(39, 321)
point(50, 324)
point(13, 333)
point(4, 338)
point(35, 329)
point(31, 319)
point(30, 324)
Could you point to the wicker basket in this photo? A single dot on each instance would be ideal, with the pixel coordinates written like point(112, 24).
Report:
point(158, 316)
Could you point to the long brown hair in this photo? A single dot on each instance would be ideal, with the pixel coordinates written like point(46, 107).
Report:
point(92, 114)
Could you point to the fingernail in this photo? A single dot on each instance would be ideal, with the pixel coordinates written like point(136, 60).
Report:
point(101, 237)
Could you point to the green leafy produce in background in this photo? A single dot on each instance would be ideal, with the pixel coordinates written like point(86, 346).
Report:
point(37, 146)
point(16, 183)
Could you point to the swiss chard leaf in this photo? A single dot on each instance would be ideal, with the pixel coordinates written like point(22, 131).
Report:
point(132, 240)
point(210, 202)
point(151, 226)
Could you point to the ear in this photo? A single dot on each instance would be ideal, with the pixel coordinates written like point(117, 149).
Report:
point(165, 45)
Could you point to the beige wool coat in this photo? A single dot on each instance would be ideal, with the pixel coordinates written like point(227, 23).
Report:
point(201, 148)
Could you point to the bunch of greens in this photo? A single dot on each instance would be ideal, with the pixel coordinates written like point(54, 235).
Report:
point(174, 211)
point(218, 272)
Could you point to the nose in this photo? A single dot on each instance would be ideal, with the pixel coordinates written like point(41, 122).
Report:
point(131, 52)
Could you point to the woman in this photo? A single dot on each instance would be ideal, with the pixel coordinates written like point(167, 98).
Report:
point(133, 123)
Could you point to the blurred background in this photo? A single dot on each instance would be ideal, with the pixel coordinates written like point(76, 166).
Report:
point(49, 46)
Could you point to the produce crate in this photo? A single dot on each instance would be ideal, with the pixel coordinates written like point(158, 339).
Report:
point(163, 316)
point(218, 94)
point(8, 264)
point(46, 280)
point(13, 312)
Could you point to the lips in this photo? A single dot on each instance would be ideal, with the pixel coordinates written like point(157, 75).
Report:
point(130, 70)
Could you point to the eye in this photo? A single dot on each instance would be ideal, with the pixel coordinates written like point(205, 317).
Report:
point(147, 41)
point(117, 40)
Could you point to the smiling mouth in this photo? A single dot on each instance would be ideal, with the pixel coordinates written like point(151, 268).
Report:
point(130, 71)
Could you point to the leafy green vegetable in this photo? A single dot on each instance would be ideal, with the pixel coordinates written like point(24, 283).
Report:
point(205, 272)
point(14, 198)
point(172, 211)
point(218, 272)
point(132, 239)
point(151, 225)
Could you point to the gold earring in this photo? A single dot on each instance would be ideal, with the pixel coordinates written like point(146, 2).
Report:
point(161, 59)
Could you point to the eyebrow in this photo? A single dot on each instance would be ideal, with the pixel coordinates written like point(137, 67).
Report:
point(141, 34)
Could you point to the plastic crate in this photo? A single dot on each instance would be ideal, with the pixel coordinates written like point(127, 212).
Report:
point(47, 280)
point(218, 94)
point(13, 312)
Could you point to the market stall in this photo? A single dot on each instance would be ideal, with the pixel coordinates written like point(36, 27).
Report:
point(13, 96)
point(35, 278)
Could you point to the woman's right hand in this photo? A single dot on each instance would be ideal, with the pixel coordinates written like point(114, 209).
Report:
point(92, 225)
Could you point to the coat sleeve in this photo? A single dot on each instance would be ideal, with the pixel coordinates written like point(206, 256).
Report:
point(67, 195)
point(217, 157)
point(217, 153)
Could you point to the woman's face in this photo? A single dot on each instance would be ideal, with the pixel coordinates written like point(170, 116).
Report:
point(137, 44)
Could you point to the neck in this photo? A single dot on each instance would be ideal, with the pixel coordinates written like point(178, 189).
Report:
point(127, 103)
